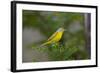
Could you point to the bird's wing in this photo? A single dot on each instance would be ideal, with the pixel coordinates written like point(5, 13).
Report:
point(52, 36)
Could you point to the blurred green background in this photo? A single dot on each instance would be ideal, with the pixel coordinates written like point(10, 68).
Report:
point(38, 26)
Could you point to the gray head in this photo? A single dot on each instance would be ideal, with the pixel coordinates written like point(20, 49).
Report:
point(61, 29)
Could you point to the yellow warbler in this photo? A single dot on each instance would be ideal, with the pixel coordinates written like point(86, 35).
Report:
point(55, 37)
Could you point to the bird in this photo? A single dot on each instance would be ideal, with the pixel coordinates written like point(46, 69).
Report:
point(56, 37)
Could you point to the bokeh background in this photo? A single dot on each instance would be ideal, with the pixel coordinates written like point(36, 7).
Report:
point(38, 26)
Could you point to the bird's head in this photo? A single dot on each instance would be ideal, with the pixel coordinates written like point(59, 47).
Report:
point(61, 29)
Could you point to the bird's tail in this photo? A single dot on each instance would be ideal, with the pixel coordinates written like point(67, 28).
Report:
point(42, 45)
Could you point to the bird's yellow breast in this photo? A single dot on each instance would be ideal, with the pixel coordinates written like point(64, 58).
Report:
point(57, 37)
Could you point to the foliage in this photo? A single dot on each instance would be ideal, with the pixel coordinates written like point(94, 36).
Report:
point(58, 52)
